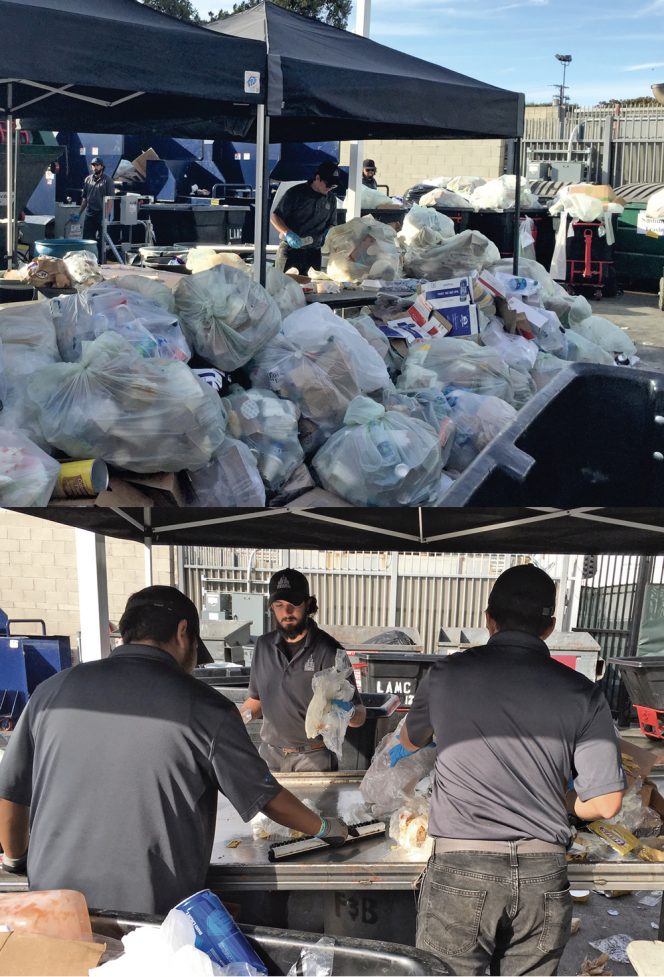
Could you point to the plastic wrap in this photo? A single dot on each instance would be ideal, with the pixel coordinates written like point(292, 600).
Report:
point(268, 426)
point(323, 718)
point(388, 788)
point(450, 362)
point(380, 458)
point(500, 194)
point(478, 420)
point(27, 474)
point(466, 252)
point(362, 248)
point(226, 316)
point(83, 317)
point(424, 228)
point(409, 826)
point(144, 415)
point(230, 478)
point(152, 289)
point(320, 362)
point(316, 960)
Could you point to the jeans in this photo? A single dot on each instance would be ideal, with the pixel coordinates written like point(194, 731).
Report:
point(313, 761)
point(301, 258)
point(92, 230)
point(506, 912)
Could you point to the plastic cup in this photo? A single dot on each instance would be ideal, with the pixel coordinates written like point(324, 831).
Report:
point(217, 933)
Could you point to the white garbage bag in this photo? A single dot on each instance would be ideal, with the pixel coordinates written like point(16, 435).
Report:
point(144, 415)
point(479, 419)
point(230, 478)
point(370, 199)
point(500, 194)
point(582, 350)
point(466, 252)
point(424, 227)
point(226, 316)
point(268, 426)
point(380, 458)
point(441, 197)
point(449, 362)
point(655, 206)
point(27, 474)
point(152, 289)
point(466, 184)
point(362, 248)
point(285, 291)
point(517, 352)
point(606, 334)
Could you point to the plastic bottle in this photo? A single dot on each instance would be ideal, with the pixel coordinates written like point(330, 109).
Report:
point(61, 913)
point(217, 933)
point(518, 284)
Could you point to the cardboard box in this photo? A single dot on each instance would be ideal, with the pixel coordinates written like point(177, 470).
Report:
point(140, 163)
point(518, 317)
point(166, 488)
point(459, 320)
point(27, 954)
point(601, 191)
point(448, 292)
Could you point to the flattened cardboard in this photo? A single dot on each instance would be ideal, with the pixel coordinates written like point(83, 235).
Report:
point(164, 487)
point(140, 163)
point(31, 955)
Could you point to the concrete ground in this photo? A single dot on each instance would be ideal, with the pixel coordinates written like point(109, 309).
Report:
point(638, 315)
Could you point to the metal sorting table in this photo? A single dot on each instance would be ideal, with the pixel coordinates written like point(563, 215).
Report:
point(347, 298)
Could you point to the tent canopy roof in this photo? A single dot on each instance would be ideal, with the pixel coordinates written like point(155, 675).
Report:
point(533, 530)
point(130, 68)
point(329, 83)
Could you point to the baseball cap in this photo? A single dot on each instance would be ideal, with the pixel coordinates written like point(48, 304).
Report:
point(290, 585)
point(368, 164)
point(173, 601)
point(523, 591)
point(329, 173)
point(97, 159)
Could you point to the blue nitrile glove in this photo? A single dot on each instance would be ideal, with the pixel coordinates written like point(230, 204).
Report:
point(76, 218)
point(293, 240)
point(345, 704)
point(399, 751)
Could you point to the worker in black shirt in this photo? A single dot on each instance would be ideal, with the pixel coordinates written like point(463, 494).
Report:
point(307, 210)
point(97, 186)
point(280, 686)
point(369, 174)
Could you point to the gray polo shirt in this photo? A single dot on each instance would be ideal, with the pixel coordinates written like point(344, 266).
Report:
point(511, 725)
point(307, 212)
point(120, 761)
point(283, 684)
point(94, 192)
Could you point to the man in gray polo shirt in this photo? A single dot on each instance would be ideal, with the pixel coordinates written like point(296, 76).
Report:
point(284, 663)
point(117, 764)
point(511, 726)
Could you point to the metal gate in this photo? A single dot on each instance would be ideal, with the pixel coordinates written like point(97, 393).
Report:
point(610, 608)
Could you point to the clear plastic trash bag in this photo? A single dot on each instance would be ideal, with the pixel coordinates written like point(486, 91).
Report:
point(362, 248)
point(323, 718)
point(388, 788)
point(152, 289)
point(466, 252)
point(423, 227)
point(285, 291)
point(82, 268)
point(226, 316)
point(380, 458)
point(442, 197)
point(479, 419)
point(517, 352)
point(582, 350)
point(606, 334)
point(500, 194)
point(82, 317)
point(27, 474)
point(547, 365)
point(447, 361)
point(429, 406)
point(230, 478)
point(267, 424)
point(144, 415)
point(27, 344)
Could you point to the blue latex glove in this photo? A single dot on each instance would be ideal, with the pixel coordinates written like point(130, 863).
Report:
point(76, 218)
point(293, 240)
point(344, 704)
point(398, 752)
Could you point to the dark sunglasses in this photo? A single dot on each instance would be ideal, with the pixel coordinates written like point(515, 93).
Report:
point(370, 169)
point(330, 186)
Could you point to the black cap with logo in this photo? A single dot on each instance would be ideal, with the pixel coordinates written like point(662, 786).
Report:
point(289, 585)
point(173, 601)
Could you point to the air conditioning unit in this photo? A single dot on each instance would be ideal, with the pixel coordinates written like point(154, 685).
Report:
point(216, 606)
point(538, 170)
point(570, 172)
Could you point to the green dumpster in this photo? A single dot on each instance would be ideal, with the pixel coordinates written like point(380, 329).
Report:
point(639, 258)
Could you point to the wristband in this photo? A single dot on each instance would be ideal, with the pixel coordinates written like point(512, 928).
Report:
point(323, 829)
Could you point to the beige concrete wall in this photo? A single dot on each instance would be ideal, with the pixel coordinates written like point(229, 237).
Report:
point(402, 164)
point(38, 572)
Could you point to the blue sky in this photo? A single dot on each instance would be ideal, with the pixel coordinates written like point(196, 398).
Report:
point(617, 46)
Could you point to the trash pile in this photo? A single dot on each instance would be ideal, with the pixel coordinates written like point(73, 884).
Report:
point(246, 395)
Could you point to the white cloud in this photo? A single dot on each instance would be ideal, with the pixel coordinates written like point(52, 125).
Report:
point(650, 8)
point(644, 67)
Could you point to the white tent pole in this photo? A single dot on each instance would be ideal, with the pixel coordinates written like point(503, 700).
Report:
point(262, 192)
point(353, 200)
point(92, 594)
point(147, 541)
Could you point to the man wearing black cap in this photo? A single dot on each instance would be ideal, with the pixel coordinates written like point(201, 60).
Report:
point(305, 211)
point(97, 186)
point(511, 727)
point(369, 174)
point(117, 764)
point(284, 663)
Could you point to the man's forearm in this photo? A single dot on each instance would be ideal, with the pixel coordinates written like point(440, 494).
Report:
point(603, 806)
point(286, 809)
point(14, 821)
point(278, 224)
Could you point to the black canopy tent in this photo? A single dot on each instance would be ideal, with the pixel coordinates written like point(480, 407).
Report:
point(471, 530)
point(326, 83)
point(119, 66)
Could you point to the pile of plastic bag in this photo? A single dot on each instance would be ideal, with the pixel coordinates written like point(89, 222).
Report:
point(267, 424)
point(381, 457)
point(230, 478)
point(445, 361)
point(500, 194)
point(226, 316)
point(362, 248)
point(140, 414)
point(459, 255)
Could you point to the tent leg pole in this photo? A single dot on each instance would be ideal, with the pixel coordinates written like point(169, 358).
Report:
point(517, 205)
point(262, 212)
point(10, 187)
point(92, 594)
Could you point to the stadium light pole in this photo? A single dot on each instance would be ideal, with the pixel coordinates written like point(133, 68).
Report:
point(564, 59)
point(354, 193)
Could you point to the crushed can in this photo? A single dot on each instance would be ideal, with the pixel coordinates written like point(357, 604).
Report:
point(217, 933)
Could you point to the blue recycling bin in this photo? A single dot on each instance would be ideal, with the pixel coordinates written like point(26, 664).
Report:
point(25, 662)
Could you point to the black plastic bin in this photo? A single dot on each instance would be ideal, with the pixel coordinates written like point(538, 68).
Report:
point(498, 226)
point(220, 675)
point(459, 215)
point(395, 672)
point(593, 436)
point(644, 679)
point(360, 743)
point(280, 949)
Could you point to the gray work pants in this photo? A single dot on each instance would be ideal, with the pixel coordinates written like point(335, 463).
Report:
point(511, 913)
point(314, 760)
